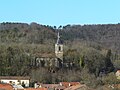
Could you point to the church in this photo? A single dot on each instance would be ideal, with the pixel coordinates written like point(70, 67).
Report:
point(49, 60)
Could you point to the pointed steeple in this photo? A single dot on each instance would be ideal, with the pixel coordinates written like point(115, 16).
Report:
point(59, 41)
point(59, 48)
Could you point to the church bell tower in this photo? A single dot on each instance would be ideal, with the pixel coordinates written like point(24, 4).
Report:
point(59, 48)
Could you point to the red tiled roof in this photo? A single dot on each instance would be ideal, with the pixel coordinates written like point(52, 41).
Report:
point(15, 77)
point(49, 85)
point(6, 87)
point(75, 87)
point(35, 89)
point(60, 87)
point(117, 86)
point(66, 84)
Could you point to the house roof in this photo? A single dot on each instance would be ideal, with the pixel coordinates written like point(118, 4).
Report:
point(75, 87)
point(60, 87)
point(49, 85)
point(36, 88)
point(6, 87)
point(15, 77)
point(67, 84)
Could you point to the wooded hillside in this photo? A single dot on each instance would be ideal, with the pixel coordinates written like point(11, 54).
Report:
point(94, 49)
point(106, 35)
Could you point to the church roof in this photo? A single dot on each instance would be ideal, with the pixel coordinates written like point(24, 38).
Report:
point(59, 41)
point(45, 55)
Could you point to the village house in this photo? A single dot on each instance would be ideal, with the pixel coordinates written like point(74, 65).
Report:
point(49, 86)
point(60, 86)
point(68, 84)
point(65, 85)
point(77, 87)
point(36, 88)
point(15, 80)
point(118, 74)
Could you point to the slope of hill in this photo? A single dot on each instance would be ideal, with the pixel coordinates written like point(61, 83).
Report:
point(95, 47)
point(106, 35)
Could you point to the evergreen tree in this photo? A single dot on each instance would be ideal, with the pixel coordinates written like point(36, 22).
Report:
point(108, 63)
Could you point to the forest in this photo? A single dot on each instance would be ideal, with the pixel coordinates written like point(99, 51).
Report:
point(94, 49)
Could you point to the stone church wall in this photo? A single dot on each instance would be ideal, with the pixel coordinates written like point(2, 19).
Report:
point(46, 62)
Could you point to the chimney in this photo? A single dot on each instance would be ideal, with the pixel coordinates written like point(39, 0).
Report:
point(69, 84)
point(60, 84)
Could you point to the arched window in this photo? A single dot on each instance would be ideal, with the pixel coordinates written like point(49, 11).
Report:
point(59, 48)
